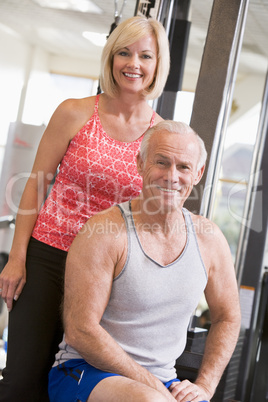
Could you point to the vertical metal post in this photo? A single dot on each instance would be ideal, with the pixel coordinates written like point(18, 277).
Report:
point(253, 196)
point(214, 91)
point(251, 249)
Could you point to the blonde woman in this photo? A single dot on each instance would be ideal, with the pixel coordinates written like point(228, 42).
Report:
point(94, 141)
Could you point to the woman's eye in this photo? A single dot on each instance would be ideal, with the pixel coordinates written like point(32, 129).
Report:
point(146, 56)
point(123, 53)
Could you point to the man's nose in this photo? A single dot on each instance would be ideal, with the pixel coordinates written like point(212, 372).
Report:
point(173, 174)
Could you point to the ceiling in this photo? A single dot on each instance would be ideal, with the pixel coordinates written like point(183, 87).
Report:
point(60, 31)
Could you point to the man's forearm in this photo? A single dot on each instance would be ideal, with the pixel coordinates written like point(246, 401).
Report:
point(220, 344)
point(100, 350)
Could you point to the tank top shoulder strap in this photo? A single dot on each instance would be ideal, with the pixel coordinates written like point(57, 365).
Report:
point(125, 209)
point(152, 119)
point(192, 237)
point(189, 225)
point(188, 220)
point(96, 106)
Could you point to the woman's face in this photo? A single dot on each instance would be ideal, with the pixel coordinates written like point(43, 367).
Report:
point(134, 66)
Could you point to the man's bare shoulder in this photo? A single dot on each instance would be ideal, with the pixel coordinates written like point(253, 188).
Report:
point(102, 241)
point(108, 226)
point(209, 235)
point(212, 242)
point(204, 228)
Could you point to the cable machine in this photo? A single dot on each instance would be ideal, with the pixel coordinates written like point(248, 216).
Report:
point(246, 374)
point(253, 272)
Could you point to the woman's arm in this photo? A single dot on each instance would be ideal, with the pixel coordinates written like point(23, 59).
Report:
point(66, 121)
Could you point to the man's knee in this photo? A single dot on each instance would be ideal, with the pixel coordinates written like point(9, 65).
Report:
point(151, 395)
point(142, 393)
point(120, 389)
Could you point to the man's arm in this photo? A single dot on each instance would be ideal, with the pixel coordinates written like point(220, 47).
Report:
point(223, 300)
point(95, 258)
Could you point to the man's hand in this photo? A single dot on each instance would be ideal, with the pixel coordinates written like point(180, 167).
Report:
point(186, 391)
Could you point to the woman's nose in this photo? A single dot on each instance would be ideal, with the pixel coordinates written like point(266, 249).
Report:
point(133, 61)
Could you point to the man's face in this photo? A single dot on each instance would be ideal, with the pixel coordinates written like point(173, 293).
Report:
point(170, 171)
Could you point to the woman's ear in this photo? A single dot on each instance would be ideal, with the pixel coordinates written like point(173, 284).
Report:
point(140, 163)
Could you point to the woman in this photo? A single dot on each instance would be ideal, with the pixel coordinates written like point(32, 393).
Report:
point(95, 141)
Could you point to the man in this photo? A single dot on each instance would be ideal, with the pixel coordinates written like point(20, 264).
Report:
point(135, 274)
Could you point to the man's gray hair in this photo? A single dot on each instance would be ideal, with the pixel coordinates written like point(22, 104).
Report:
point(173, 127)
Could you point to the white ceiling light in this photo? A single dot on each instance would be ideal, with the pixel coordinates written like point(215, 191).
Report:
point(85, 6)
point(98, 39)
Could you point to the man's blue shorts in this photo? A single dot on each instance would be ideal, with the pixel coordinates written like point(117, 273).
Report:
point(74, 380)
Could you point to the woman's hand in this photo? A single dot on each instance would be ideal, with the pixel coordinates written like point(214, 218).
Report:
point(12, 281)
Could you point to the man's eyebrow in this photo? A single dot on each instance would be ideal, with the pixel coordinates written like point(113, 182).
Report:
point(161, 156)
point(185, 162)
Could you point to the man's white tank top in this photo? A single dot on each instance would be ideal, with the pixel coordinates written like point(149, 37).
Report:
point(151, 305)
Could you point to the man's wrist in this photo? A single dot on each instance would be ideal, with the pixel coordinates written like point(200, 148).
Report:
point(208, 386)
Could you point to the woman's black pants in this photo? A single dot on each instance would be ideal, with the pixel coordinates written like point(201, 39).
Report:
point(34, 326)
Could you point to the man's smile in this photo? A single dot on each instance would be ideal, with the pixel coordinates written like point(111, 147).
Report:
point(169, 190)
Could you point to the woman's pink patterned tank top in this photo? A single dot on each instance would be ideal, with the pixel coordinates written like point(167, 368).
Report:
point(95, 173)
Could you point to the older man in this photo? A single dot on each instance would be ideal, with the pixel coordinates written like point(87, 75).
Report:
point(135, 274)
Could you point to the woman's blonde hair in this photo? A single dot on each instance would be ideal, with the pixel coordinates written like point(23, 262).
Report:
point(126, 34)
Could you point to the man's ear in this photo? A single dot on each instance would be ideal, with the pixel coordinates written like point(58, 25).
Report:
point(140, 163)
point(199, 175)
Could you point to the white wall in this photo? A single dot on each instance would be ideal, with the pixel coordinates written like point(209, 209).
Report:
point(76, 67)
point(25, 68)
point(14, 55)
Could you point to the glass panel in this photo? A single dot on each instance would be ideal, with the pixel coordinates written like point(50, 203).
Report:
point(235, 172)
point(243, 125)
